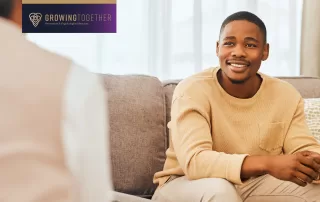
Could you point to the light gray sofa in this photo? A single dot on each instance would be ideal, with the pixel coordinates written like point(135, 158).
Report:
point(139, 109)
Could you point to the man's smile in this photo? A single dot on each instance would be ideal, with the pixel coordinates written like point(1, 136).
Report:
point(238, 66)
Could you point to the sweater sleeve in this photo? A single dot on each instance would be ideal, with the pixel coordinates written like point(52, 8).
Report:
point(298, 137)
point(192, 140)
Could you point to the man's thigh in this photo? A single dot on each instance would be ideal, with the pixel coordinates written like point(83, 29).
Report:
point(203, 190)
point(269, 189)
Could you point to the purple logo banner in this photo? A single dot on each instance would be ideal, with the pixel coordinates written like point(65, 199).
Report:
point(69, 18)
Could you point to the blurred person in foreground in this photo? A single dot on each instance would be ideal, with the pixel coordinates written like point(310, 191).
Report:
point(237, 134)
point(54, 132)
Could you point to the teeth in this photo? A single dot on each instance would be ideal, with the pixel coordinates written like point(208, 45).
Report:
point(238, 65)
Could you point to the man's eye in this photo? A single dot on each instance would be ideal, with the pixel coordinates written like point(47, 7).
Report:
point(251, 45)
point(228, 44)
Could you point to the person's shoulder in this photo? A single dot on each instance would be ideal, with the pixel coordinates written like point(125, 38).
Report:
point(196, 83)
point(84, 78)
point(81, 74)
point(83, 85)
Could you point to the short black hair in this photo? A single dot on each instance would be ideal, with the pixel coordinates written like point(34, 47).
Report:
point(250, 17)
point(5, 8)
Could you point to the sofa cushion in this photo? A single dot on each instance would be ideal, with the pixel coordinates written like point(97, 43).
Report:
point(169, 87)
point(121, 197)
point(137, 130)
point(308, 87)
point(312, 112)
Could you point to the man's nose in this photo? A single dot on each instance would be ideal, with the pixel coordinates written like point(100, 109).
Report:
point(238, 51)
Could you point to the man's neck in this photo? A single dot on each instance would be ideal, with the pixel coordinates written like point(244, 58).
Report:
point(244, 90)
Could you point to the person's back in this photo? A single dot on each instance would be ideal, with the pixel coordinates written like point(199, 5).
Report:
point(30, 107)
point(53, 131)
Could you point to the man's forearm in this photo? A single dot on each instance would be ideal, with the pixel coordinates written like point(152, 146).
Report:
point(253, 166)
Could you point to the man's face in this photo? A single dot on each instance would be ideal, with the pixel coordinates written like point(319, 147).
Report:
point(241, 50)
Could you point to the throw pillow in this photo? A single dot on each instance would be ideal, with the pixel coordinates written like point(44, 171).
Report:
point(312, 112)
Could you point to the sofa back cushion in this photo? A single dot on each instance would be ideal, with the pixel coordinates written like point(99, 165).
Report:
point(308, 87)
point(137, 130)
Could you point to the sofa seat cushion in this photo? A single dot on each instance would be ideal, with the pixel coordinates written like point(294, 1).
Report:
point(137, 130)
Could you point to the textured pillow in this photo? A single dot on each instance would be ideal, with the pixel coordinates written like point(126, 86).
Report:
point(312, 111)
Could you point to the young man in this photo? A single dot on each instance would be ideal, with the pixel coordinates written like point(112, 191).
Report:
point(237, 134)
point(53, 130)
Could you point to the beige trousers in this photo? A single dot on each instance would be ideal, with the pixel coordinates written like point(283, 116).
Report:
point(262, 189)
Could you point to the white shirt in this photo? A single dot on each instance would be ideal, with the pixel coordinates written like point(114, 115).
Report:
point(86, 134)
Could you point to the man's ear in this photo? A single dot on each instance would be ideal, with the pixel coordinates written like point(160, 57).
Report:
point(265, 53)
point(217, 48)
point(16, 12)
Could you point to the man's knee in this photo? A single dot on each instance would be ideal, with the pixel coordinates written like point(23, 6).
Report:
point(204, 190)
point(218, 190)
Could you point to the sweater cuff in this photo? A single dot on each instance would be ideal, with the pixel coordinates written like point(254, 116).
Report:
point(234, 168)
point(316, 182)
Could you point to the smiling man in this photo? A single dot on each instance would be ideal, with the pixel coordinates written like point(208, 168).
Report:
point(237, 134)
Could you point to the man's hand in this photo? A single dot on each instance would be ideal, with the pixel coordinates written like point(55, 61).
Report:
point(300, 168)
point(314, 155)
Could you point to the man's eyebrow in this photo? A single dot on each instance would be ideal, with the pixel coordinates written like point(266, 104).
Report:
point(251, 39)
point(247, 38)
point(229, 37)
